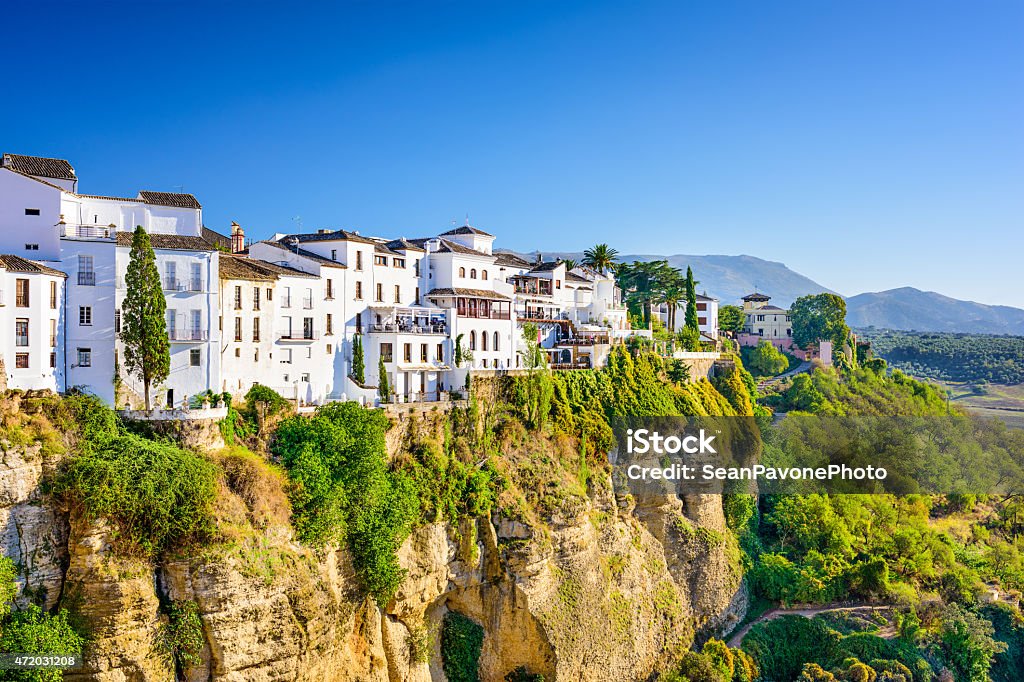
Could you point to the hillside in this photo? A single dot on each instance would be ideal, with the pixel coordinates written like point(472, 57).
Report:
point(728, 278)
point(907, 308)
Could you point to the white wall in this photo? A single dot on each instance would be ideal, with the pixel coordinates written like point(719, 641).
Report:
point(39, 313)
point(18, 193)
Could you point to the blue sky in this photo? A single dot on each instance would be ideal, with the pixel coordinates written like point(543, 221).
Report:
point(867, 145)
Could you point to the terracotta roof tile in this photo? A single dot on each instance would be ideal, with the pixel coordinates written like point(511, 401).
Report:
point(173, 199)
point(469, 293)
point(466, 229)
point(180, 242)
point(58, 169)
point(307, 254)
point(18, 264)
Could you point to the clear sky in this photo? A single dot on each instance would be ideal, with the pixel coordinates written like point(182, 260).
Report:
point(868, 145)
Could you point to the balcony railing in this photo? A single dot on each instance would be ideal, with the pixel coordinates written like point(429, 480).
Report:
point(483, 313)
point(89, 231)
point(399, 328)
point(187, 335)
point(307, 303)
point(286, 302)
point(301, 335)
point(87, 279)
point(536, 314)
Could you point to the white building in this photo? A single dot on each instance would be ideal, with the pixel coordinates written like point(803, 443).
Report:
point(44, 217)
point(31, 312)
point(707, 316)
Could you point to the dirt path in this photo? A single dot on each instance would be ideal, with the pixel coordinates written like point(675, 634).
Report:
point(799, 369)
point(808, 612)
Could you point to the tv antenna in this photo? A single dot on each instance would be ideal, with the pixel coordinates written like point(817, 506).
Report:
point(298, 222)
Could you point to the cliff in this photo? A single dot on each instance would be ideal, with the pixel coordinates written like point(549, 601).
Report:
point(567, 580)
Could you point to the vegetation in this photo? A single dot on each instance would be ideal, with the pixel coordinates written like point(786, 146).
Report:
point(461, 642)
point(358, 360)
point(183, 639)
point(819, 317)
point(383, 382)
point(601, 258)
point(691, 301)
point(343, 489)
point(765, 359)
point(32, 630)
point(972, 358)
point(730, 318)
point(715, 662)
point(147, 350)
point(643, 283)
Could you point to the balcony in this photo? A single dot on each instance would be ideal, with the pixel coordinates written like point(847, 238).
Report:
point(175, 284)
point(403, 328)
point(89, 231)
point(298, 336)
point(87, 279)
point(188, 335)
point(286, 302)
point(307, 303)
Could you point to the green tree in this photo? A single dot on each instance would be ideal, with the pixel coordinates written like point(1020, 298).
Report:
point(643, 283)
point(358, 361)
point(601, 258)
point(147, 350)
point(968, 644)
point(730, 318)
point(383, 383)
point(765, 359)
point(819, 317)
point(570, 263)
point(673, 292)
point(691, 300)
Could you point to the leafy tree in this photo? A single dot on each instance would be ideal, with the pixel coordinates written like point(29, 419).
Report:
point(358, 360)
point(600, 257)
point(730, 318)
point(570, 263)
point(673, 292)
point(147, 350)
point(968, 644)
point(383, 382)
point(691, 300)
point(765, 359)
point(462, 640)
point(643, 283)
point(819, 317)
point(689, 338)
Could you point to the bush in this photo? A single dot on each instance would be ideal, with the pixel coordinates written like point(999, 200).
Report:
point(461, 642)
point(156, 495)
point(765, 359)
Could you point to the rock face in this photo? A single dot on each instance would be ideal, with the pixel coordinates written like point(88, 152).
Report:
point(602, 590)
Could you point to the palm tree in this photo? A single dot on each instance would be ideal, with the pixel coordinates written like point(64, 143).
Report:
point(570, 263)
point(673, 292)
point(643, 283)
point(600, 257)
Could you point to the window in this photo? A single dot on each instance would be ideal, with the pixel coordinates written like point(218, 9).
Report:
point(398, 262)
point(53, 333)
point(359, 323)
point(21, 360)
point(196, 280)
point(117, 321)
point(53, 360)
point(86, 273)
point(702, 321)
point(495, 340)
point(440, 352)
point(172, 322)
point(256, 355)
point(21, 293)
point(380, 292)
point(307, 328)
point(195, 357)
point(21, 332)
point(286, 302)
point(238, 352)
point(255, 298)
point(702, 307)
point(238, 297)
point(329, 325)
point(558, 284)
point(483, 341)
point(31, 247)
point(330, 349)
point(385, 352)
point(256, 329)
point(304, 377)
point(171, 273)
point(472, 340)
point(334, 254)
point(472, 273)
point(85, 357)
point(31, 211)
point(330, 289)
point(424, 353)
point(238, 329)
point(398, 294)
point(53, 295)
point(359, 260)
point(407, 352)
point(286, 358)
point(270, 294)
point(416, 267)
point(417, 301)
point(462, 272)
point(85, 315)
point(380, 260)
point(359, 291)
point(483, 275)
point(307, 300)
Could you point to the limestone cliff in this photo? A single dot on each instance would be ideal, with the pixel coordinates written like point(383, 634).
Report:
point(585, 587)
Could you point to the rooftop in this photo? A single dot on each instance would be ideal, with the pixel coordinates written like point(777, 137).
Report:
point(466, 229)
point(327, 262)
point(18, 264)
point(173, 199)
point(58, 169)
point(756, 297)
point(180, 242)
point(468, 293)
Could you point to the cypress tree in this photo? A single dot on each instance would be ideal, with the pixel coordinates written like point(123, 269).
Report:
point(383, 384)
point(147, 349)
point(691, 301)
point(358, 363)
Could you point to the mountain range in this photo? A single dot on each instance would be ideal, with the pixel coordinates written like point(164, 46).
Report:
point(729, 278)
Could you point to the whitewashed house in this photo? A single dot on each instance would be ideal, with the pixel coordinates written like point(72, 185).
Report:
point(31, 315)
point(707, 316)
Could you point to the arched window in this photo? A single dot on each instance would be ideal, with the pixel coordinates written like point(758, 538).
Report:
point(462, 272)
point(483, 341)
point(472, 340)
point(496, 341)
point(472, 273)
point(483, 275)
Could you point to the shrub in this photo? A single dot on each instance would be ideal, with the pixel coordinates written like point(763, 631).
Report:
point(183, 633)
point(156, 495)
point(461, 642)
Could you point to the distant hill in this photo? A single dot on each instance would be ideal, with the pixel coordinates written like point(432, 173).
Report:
point(907, 308)
point(729, 278)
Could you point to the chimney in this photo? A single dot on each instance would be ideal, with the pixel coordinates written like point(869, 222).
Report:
point(324, 231)
point(237, 238)
point(540, 258)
